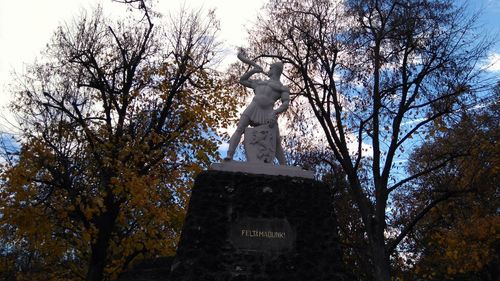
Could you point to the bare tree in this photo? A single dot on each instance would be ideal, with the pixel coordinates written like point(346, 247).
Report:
point(375, 75)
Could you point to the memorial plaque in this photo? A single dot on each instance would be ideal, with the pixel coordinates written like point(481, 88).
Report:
point(262, 235)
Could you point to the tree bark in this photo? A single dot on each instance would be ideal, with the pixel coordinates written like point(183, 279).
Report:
point(99, 249)
point(98, 258)
point(382, 272)
point(381, 263)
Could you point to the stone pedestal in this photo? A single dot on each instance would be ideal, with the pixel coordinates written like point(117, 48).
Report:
point(262, 169)
point(258, 227)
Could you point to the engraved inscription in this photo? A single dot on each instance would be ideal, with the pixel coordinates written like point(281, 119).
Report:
point(262, 234)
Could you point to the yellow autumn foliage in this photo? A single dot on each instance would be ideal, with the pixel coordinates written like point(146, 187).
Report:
point(459, 238)
point(106, 161)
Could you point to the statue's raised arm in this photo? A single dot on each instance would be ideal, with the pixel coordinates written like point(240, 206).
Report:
point(245, 78)
point(242, 56)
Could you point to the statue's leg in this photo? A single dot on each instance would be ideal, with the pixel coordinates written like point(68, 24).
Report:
point(280, 154)
point(236, 137)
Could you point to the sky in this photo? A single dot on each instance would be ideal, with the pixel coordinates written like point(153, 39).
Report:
point(26, 26)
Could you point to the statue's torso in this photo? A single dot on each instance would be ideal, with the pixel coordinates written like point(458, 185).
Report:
point(260, 110)
point(267, 93)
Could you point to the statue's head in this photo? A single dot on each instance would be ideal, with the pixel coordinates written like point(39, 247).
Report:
point(276, 69)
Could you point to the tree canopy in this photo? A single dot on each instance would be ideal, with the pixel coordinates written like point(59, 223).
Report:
point(376, 76)
point(459, 238)
point(115, 120)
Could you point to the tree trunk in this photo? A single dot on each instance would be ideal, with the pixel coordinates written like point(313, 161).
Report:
point(381, 263)
point(382, 272)
point(99, 251)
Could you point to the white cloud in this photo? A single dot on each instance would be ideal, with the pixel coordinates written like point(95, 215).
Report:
point(493, 62)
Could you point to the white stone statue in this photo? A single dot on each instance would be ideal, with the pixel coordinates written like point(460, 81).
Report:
point(262, 142)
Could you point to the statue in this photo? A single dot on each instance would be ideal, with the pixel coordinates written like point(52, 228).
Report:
point(261, 114)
